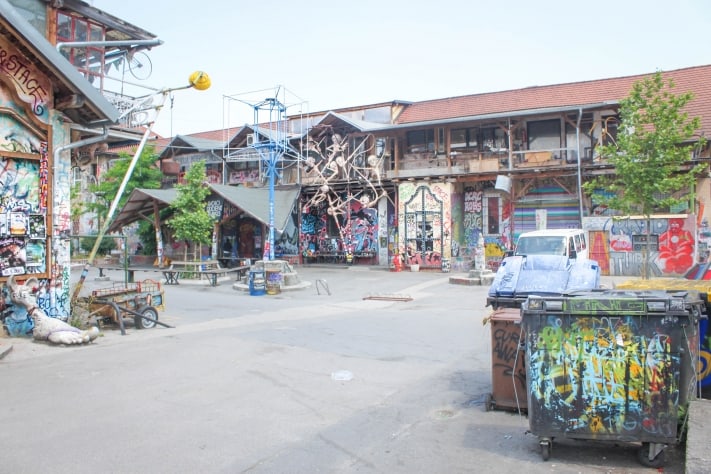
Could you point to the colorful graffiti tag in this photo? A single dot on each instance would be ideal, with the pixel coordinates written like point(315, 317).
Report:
point(472, 217)
point(356, 231)
point(602, 376)
point(672, 245)
point(508, 373)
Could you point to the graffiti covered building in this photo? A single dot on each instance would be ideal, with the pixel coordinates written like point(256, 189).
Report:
point(35, 164)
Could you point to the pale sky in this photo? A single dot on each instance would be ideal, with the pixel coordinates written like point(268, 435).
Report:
point(329, 55)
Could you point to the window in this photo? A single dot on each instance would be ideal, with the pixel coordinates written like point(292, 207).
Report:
point(544, 135)
point(88, 60)
point(380, 146)
point(465, 139)
point(34, 11)
point(493, 139)
point(420, 141)
point(492, 215)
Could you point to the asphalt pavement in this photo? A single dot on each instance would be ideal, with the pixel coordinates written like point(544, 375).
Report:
point(360, 370)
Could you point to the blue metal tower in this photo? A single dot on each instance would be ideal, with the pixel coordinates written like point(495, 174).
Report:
point(270, 140)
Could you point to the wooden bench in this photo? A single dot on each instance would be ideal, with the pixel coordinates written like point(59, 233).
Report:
point(211, 269)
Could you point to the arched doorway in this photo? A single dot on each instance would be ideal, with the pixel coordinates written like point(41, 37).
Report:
point(424, 228)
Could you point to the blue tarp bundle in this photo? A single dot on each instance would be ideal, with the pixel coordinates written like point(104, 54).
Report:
point(520, 276)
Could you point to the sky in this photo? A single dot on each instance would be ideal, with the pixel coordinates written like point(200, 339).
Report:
point(315, 55)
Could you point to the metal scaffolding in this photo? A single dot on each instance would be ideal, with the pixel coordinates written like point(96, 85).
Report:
point(270, 140)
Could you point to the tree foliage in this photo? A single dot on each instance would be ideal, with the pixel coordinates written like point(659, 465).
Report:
point(105, 247)
point(190, 221)
point(145, 175)
point(655, 139)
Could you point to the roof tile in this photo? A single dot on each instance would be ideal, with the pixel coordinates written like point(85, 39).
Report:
point(695, 79)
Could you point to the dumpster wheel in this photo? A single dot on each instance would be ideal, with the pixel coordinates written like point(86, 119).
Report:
point(489, 403)
point(652, 454)
point(546, 448)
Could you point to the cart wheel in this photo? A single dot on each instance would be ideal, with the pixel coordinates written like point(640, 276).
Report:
point(149, 311)
point(645, 451)
point(545, 450)
point(489, 402)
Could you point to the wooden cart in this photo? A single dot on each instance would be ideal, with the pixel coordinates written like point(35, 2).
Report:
point(141, 301)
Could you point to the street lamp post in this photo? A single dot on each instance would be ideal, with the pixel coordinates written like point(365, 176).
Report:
point(198, 80)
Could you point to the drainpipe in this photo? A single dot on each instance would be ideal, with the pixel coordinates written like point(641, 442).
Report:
point(88, 141)
point(580, 176)
point(508, 132)
point(109, 216)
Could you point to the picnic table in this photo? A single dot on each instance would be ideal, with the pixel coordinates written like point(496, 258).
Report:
point(209, 269)
point(130, 270)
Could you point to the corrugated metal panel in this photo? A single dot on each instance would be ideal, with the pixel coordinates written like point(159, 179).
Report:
point(559, 215)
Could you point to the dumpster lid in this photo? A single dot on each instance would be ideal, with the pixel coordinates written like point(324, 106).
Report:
point(615, 301)
point(506, 314)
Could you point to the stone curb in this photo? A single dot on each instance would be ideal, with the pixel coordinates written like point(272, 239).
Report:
point(5, 349)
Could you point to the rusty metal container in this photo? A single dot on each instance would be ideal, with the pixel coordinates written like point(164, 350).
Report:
point(508, 373)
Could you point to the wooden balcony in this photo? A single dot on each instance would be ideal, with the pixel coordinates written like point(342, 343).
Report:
point(416, 165)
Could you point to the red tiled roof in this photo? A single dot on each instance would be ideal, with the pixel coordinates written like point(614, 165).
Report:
point(696, 79)
point(222, 134)
point(160, 143)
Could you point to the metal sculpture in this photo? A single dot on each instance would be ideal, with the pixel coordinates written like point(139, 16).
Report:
point(329, 162)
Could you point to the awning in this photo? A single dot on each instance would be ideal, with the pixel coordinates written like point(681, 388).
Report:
point(140, 206)
point(253, 201)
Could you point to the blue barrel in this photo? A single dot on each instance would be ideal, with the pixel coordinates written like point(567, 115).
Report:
point(257, 282)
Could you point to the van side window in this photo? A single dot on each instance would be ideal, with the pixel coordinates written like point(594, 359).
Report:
point(578, 243)
point(571, 246)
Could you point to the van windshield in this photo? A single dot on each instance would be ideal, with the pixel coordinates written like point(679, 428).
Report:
point(541, 245)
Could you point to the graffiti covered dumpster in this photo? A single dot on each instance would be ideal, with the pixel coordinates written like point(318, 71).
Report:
point(612, 365)
point(681, 284)
point(508, 375)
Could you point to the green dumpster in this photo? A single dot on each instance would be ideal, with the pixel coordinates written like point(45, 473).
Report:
point(612, 365)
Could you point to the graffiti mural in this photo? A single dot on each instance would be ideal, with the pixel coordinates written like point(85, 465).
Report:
point(425, 218)
point(331, 160)
point(364, 228)
point(354, 232)
point(606, 375)
point(288, 241)
point(52, 299)
point(672, 244)
point(473, 217)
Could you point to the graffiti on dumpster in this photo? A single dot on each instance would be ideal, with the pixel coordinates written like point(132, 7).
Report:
point(507, 359)
point(605, 375)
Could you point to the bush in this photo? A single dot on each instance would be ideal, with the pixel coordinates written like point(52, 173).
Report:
point(105, 247)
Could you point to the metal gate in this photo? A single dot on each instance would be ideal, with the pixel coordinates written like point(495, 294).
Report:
point(423, 228)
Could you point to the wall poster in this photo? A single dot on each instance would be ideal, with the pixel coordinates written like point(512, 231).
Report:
point(23, 228)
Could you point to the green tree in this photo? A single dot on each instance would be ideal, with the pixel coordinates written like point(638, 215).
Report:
point(105, 247)
point(145, 175)
point(191, 222)
point(651, 154)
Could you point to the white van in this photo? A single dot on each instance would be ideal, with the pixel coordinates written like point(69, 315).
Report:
point(569, 242)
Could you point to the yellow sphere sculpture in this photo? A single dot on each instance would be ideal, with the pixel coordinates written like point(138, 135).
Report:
point(200, 80)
